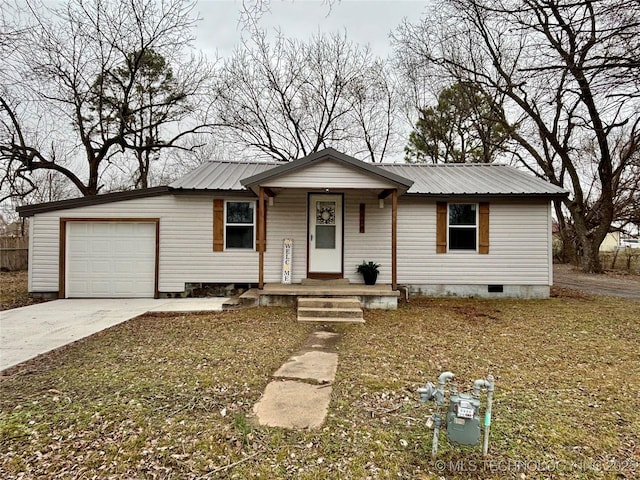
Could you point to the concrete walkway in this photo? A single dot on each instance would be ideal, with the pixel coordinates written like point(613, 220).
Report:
point(27, 332)
point(300, 394)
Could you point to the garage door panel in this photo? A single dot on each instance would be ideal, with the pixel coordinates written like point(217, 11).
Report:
point(79, 246)
point(100, 267)
point(110, 259)
point(100, 246)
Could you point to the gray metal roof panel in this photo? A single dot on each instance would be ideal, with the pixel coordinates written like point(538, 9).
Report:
point(220, 175)
point(428, 179)
point(472, 179)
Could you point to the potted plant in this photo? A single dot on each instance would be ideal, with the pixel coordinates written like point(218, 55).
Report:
point(369, 271)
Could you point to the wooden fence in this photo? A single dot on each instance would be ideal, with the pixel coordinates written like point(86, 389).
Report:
point(14, 253)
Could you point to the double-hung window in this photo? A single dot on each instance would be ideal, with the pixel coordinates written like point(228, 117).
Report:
point(240, 218)
point(463, 226)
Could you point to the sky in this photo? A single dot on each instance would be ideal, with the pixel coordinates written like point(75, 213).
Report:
point(365, 21)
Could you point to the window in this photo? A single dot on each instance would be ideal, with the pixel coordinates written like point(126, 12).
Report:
point(326, 225)
point(462, 226)
point(239, 224)
point(463, 222)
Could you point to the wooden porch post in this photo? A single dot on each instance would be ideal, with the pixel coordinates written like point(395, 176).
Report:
point(261, 237)
point(394, 239)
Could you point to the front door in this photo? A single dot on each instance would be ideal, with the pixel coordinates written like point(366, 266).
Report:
point(325, 235)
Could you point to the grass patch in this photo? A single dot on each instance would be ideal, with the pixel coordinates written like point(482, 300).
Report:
point(13, 290)
point(171, 396)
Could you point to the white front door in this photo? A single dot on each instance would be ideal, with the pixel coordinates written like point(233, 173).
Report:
point(325, 234)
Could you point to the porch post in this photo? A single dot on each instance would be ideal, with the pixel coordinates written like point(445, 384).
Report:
point(394, 239)
point(261, 237)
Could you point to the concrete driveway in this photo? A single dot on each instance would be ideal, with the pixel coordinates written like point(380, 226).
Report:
point(27, 332)
point(615, 284)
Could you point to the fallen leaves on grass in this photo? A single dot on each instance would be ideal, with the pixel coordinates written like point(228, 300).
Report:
point(13, 291)
point(172, 396)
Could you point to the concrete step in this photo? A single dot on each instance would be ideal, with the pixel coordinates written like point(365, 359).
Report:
point(325, 282)
point(330, 309)
point(330, 320)
point(249, 298)
point(330, 312)
point(233, 303)
point(329, 302)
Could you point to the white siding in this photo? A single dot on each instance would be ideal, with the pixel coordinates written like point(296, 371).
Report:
point(287, 218)
point(372, 245)
point(186, 242)
point(518, 253)
point(519, 242)
point(328, 174)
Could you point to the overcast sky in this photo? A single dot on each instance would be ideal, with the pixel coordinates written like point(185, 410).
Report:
point(366, 21)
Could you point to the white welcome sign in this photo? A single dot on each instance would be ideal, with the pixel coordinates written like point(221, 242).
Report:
point(287, 252)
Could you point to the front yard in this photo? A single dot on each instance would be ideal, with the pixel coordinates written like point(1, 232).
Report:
point(171, 396)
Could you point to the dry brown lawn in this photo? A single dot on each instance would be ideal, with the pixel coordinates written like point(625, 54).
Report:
point(13, 290)
point(171, 396)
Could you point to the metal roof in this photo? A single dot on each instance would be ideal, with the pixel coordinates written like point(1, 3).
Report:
point(472, 179)
point(221, 175)
point(428, 179)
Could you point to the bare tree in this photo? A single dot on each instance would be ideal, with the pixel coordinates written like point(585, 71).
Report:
point(58, 114)
point(569, 74)
point(289, 98)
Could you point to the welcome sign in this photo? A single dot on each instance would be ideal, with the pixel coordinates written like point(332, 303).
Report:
point(287, 252)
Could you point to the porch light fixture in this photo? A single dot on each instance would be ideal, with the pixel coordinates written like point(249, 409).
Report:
point(271, 201)
point(381, 203)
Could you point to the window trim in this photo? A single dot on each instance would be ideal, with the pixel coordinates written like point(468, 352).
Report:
point(253, 225)
point(476, 226)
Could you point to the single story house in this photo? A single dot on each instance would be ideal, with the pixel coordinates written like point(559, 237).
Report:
point(471, 230)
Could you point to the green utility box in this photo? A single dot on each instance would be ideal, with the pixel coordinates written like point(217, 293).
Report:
point(463, 421)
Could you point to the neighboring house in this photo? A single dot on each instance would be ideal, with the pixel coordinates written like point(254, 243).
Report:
point(611, 242)
point(630, 242)
point(482, 230)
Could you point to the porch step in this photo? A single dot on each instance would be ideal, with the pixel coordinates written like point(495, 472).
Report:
point(330, 309)
point(249, 298)
point(329, 282)
point(329, 302)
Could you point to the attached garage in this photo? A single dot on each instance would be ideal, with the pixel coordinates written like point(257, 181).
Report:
point(105, 258)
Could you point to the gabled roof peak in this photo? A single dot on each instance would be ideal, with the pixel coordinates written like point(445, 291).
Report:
point(329, 153)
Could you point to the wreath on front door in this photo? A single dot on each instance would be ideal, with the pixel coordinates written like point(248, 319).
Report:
point(326, 215)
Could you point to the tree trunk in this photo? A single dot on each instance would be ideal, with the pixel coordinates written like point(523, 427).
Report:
point(590, 260)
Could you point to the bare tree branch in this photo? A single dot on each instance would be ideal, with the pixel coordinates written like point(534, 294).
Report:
point(568, 72)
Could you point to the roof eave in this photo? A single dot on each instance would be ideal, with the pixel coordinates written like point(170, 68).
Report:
point(30, 210)
point(546, 195)
point(213, 191)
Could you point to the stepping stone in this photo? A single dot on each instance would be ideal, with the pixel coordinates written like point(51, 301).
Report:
point(302, 399)
point(292, 404)
point(314, 366)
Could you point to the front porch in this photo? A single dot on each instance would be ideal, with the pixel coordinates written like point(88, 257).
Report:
point(380, 296)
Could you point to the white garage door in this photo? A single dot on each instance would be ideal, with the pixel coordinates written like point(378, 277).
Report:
point(110, 259)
